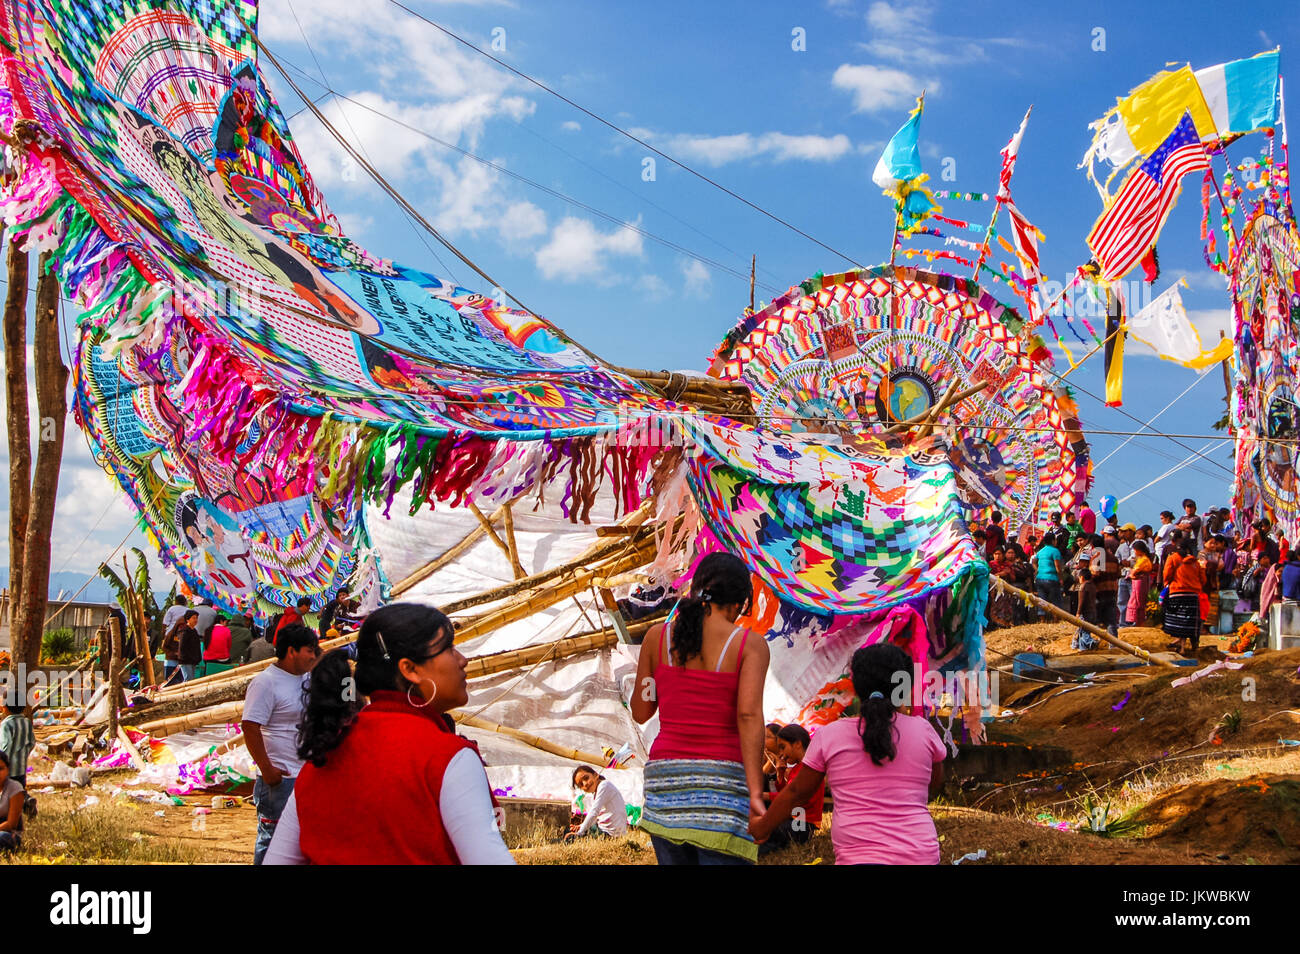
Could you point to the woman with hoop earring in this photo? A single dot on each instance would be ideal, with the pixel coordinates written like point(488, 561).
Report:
point(386, 781)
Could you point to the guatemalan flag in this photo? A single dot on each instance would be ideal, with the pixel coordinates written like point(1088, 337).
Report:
point(1130, 226)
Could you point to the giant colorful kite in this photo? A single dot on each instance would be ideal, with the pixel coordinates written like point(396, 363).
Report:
point(251, 377)
point(873, 348)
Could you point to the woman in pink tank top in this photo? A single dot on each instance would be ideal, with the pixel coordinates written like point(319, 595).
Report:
point(704, 675)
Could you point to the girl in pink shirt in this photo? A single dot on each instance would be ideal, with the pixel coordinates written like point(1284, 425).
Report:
point(883, 768)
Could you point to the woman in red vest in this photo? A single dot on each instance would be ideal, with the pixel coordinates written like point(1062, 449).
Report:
point(389, 782)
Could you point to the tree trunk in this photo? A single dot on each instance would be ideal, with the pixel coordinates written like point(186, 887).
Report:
point(52, 415)
point(18, 423)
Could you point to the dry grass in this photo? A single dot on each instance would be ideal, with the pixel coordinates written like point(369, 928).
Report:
point(106, 833)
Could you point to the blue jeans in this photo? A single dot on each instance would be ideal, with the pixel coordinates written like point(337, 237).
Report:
point(1049, 590)
point(187, 672)
point(1121, 601)
point(270, 802)
point(10, 841)
point(667, 853)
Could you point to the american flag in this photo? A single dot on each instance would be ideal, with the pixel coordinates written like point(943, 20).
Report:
point(1129, 227)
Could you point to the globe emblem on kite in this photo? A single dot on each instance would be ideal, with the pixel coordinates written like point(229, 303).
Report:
point(908, 397)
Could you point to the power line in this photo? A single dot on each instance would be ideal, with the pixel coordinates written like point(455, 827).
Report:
point(623, 132)
point(324, 80)
point(555, 193)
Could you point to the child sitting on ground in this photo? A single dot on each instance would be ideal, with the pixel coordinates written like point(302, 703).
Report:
point(1086, 610)
point(606, 809)
point(773, 770)
point(793, 741)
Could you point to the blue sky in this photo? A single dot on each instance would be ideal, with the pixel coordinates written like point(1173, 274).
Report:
point(796, 132)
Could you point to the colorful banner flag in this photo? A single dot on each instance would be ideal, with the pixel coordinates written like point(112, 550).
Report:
point(1130, 226)
point(1114, 349)
point(901, 161)
point(1164, 327)
point(1229, 98)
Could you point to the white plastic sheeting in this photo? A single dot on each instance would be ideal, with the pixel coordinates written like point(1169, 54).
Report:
point(574, 702)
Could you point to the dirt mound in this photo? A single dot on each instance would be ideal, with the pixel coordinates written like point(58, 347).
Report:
point(1053, 639)
point(1137, 716)
point(1250, 820)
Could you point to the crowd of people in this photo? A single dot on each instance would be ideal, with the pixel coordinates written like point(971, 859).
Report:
point(1112, 575)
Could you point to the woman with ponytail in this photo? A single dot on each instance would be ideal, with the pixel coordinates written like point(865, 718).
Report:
point(704, 675)
point(883, 766)
point(385, 780)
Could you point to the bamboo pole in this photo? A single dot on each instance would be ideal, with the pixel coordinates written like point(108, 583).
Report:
point(114, 655)
point(250, 669)
point(532, 601)
point(943, 405)
point(595, 554)
point(537, 742)
point(495, 538)
point(1097, 631)
point(512, 545)
point(216, 715)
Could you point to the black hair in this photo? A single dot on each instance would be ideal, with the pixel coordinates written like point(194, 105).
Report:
point(1141, 547)
point(721, 579)
point(774, 728)
point(996, 516)
point(293, 636)
point(583, 770)
point(1085, 573)
point(390, 634)
point(5, 759)
point(1189, 502)
point(1167, 513)
point(304, 600)
point(794, 732)
point(876, 672)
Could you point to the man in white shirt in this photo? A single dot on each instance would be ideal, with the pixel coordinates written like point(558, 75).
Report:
point(273, 707)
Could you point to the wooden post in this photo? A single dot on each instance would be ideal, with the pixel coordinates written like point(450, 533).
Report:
point(492, 535)
point(114, 654)
point(1097, 631)
point(512, 546)
point(577, 755)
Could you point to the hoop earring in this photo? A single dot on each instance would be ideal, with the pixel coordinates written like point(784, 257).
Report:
point(421, 705)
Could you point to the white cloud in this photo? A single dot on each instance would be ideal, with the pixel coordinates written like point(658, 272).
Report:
point(653, 287)
point(697, 278)
point(577, 250)
point(903, 33)
point(523, 220)
point(570, 125)
point(880, 88)
point(734, 147)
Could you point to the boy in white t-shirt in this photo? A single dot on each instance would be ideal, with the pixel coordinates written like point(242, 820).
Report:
point(273, 707)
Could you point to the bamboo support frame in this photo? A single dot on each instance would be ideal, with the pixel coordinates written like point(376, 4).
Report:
point(537, 742)
point(512, 545)
point(595, 554)
point(543, 597)
point(215, 715)
point(492, 535)
point(1097, 631)
point(925, 416)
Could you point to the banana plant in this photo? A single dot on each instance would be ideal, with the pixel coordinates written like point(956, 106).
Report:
point(144, 590)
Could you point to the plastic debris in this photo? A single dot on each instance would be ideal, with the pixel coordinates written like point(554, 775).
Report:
point(972, 856)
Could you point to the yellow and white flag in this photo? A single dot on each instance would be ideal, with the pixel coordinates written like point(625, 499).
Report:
point(1164, 326)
